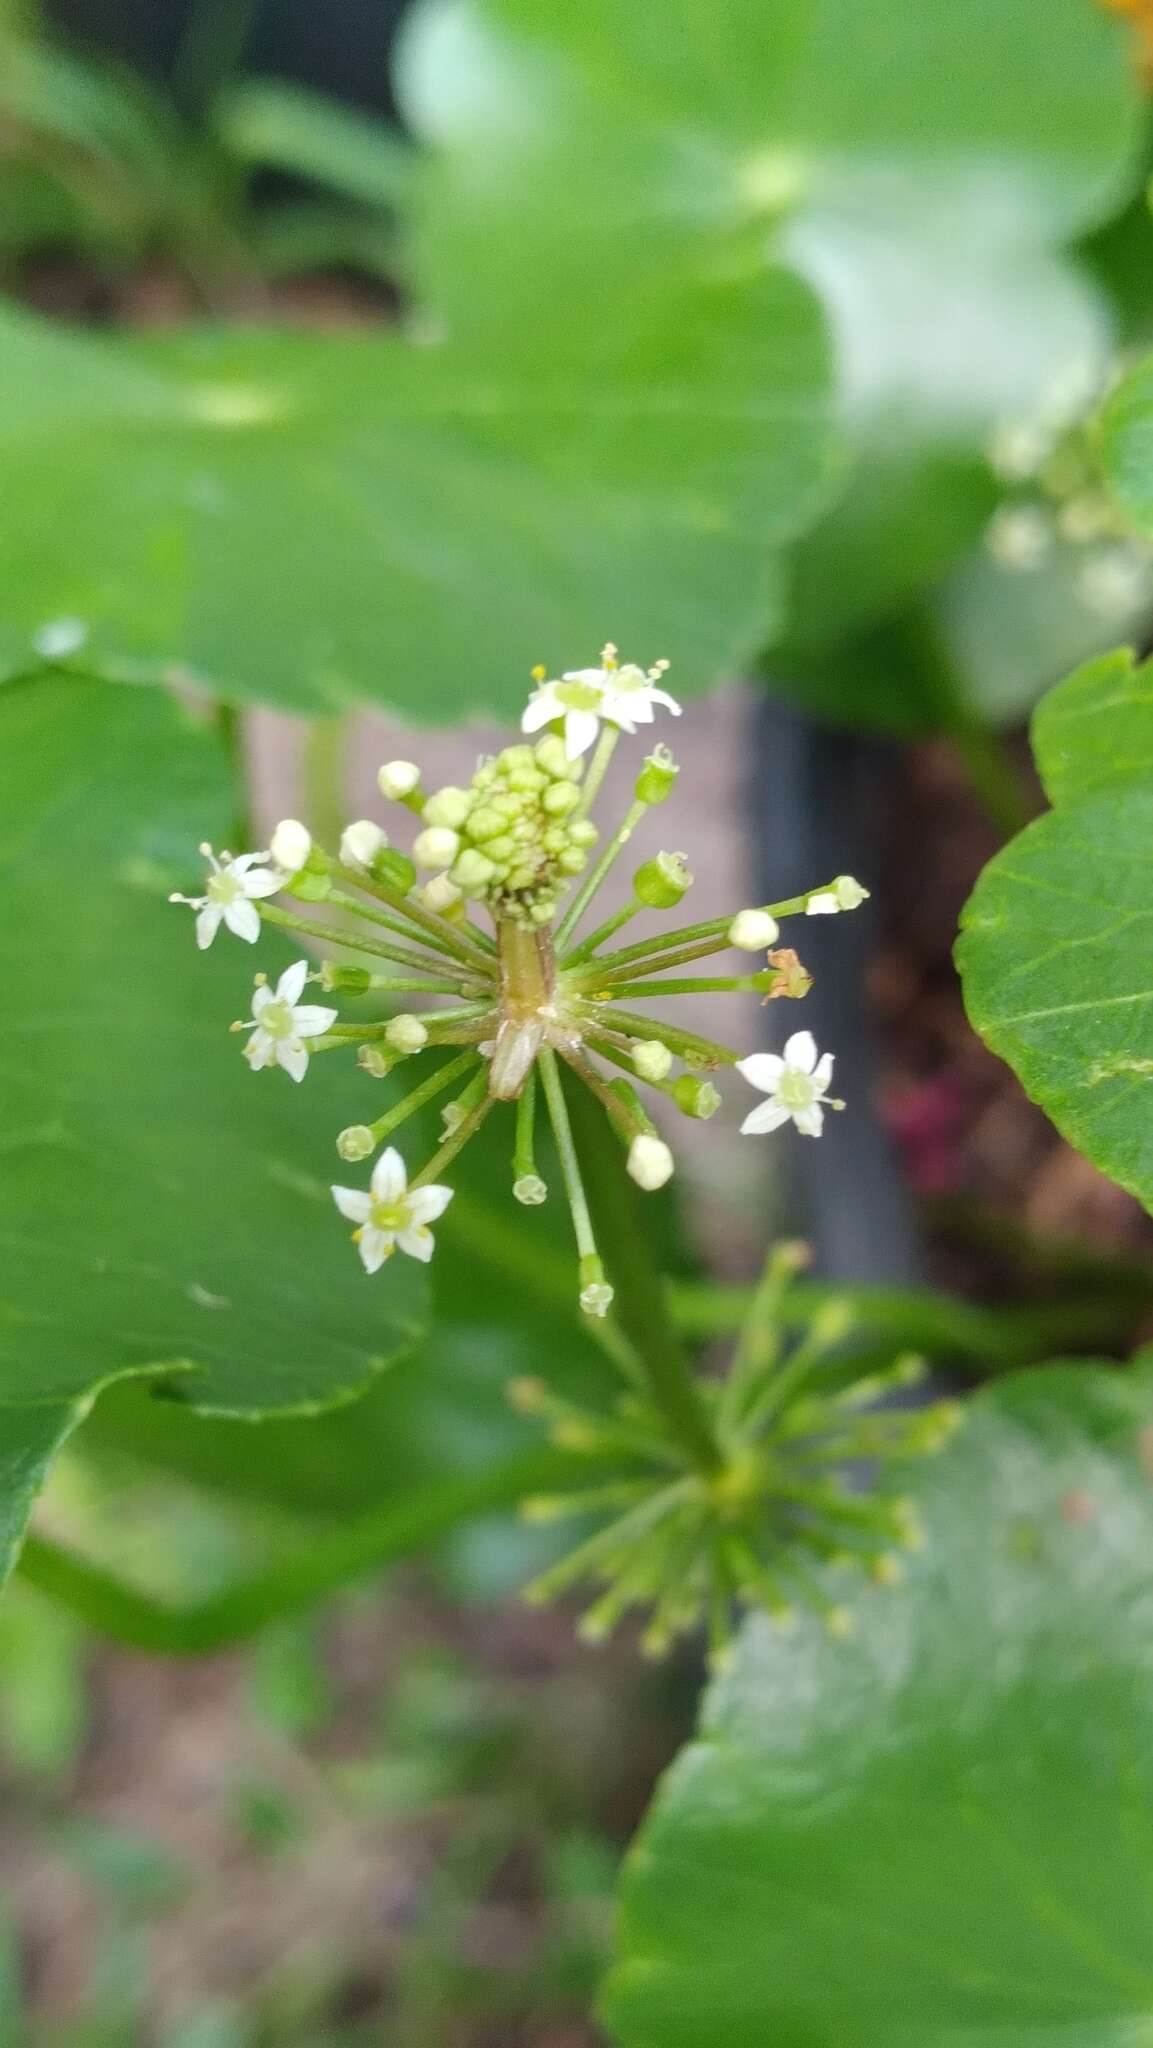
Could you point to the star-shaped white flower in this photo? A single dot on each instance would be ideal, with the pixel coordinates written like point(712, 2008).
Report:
point(583, 698)
point(231, 892)
point(796, 1084)
point(283, 1023)
point(388, 1214)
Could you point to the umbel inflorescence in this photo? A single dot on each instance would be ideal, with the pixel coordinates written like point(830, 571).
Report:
point(490, 917)
point(716, 1493)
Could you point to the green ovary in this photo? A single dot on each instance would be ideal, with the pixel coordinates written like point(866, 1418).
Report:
point(795, 1091)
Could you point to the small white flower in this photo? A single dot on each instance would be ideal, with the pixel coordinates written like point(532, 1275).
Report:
point(231, 894)
point(388, 1215)
point(583, 697)
point(650, 1162)
point(796, 1084)
point(842, 894)
point(282, 1023)
point(753, 930)
point(291, 845)
point(1115, 582)
point(360, 843)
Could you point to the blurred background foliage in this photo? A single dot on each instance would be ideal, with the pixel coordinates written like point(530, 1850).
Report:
point(365, 355)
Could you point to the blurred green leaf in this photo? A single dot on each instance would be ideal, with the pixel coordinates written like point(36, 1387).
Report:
point(44, 1715)
point(311, 519)
point(1056, 938)
point(935, 1831)
point(273, 123)
point(923, 181)
point(1127, 444)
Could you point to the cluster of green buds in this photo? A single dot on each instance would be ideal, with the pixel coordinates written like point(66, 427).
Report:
point(488, 916)
point(516, 837)
point(774, 1511)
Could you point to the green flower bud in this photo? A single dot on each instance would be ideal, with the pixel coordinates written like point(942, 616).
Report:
point(527, 781)
point(661, 883)
point(560, 798)
point(573, 861)
point(658, 776)
point(394, 868)
point(352, 981)
point(511, 758)
point(357, 1142)
point(552, 755)
point(696, 1096)
point(501, 848)
point(450, 806)
point(405, 1034)
point(486, 822)
point(473, 871)
point(582, 832)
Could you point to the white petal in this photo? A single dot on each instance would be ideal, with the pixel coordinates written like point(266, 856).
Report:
point(389, 1176)
point(580, 731)
point(208, 924)
point(810, 1121)
point(763, 1069)
point(244, 861)
point(662, 697)
point(426, 1204)
point(374, 1248)
point(261, 997)
point(354, 1203)
point(767, 1116)
point(243, 918)
point(290, 987)
point(540, 710)
point(636, 706)
point(418, 1243)
point(263, 883)
point(293, 1057)
point(823, 1072)
point(592, 678)
point(310, 1019)
point(621, 715)
point(801, 1051)
point(260, 1050)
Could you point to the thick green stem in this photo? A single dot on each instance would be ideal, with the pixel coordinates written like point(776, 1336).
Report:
point(320, 1566)
point(605, 749)
point(641, 1307)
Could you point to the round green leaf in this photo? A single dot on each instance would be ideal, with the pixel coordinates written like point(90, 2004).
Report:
point(160, 1205)
point(1096, 728)
point(936, 1833)
point(1055, 950)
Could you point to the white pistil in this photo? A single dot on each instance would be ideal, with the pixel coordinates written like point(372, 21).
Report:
point(389, 1215)
point(283, 1023)
point(796, 1084)
point(231, 893)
